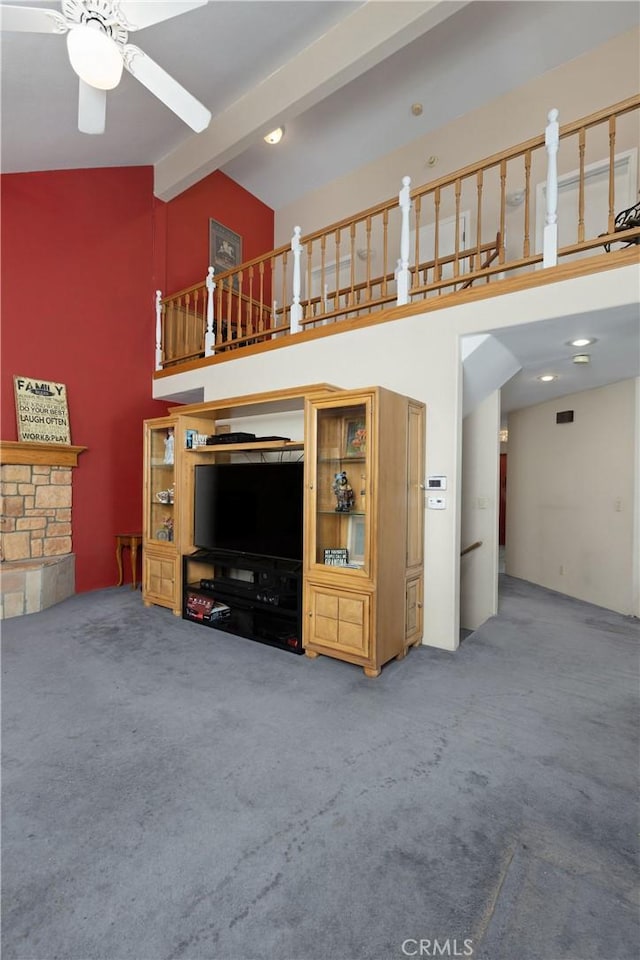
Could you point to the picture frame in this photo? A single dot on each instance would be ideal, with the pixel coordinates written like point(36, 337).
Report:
point(355, 438)
point(225, 247)
point(356, 540)
point(42, 414)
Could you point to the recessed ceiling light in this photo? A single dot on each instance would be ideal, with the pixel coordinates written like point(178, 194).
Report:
point(581, 342)
point(582, 358)
point(547, 377)
point(275, 136)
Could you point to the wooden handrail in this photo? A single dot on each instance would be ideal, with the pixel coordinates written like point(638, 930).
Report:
point(490, 247)
point(258, 294)
point(472, 546)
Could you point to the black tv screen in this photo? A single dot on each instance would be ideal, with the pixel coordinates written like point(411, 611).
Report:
point(250, 507)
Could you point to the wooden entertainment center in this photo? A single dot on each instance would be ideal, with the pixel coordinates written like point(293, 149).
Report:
point(362, 564)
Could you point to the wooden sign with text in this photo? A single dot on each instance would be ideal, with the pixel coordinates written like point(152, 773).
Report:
point(41, 411)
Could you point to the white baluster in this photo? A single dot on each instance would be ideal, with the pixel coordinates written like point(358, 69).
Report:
point(296, 308)
point(158, 330)
point(403, 278)
point(551, 142)
point(210, 337)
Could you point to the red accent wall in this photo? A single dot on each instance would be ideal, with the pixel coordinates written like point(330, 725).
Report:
point(187, 229)
point(77, 308)
point(83, 252)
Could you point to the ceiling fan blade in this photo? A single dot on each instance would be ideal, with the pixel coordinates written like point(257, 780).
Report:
point(165, 88)
point(31, 19)
point(92, 109)
point(142, 14)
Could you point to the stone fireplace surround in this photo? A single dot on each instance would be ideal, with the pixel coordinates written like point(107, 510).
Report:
point(37, 567)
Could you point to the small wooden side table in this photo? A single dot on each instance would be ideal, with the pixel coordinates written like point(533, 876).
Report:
point(132, 541)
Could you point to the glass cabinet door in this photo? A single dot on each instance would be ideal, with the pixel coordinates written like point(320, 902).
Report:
point(161, 492)
point(340, 526)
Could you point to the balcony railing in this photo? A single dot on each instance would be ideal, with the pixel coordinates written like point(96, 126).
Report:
point(559, 196)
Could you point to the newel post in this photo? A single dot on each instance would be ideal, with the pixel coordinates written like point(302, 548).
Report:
point(551, 142)
point(210, 337)
point(158, 329)
point(403, 276)
point(296, 308)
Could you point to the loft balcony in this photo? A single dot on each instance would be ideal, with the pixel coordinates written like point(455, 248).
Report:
point(563, 204)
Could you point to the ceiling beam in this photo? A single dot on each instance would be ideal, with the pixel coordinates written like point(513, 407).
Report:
point(373, 32)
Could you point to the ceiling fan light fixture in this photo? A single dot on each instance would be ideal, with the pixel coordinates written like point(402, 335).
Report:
point(94, 56)
point(275, 136)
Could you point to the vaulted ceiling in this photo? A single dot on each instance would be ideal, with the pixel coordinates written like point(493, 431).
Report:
point(340, 75)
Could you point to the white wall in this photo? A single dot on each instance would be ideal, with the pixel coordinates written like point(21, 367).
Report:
point(588, 83)
point(479, 513)
point(418, 356)
point(571, 496)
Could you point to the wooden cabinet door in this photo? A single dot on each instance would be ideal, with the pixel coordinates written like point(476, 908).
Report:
point(415, 484)
point(160, 579)
point(339, 438)
point(413, 612)
point(160, 455)
point(338, 622)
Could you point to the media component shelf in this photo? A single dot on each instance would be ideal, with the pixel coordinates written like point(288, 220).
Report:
point(250, 595)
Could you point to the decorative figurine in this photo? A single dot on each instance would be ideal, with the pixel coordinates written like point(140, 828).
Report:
point(343, 493)
point(168, 446)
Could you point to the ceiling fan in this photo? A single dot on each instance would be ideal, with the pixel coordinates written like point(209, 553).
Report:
point(97, 34)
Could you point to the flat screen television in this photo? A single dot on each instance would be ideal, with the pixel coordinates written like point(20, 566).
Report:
point(250, 507)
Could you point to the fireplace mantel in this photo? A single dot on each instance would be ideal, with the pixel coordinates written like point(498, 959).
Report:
point(21, 452)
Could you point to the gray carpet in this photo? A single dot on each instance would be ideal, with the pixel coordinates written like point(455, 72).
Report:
point(175, 792)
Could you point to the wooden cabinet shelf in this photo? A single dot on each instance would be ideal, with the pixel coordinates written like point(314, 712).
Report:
point(367, 611)
point(341, 459)
point(249, 446)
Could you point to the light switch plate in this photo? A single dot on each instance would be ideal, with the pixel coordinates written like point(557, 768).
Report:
point(436, 503)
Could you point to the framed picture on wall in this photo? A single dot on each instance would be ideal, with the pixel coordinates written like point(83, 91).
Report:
point(225, 247)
